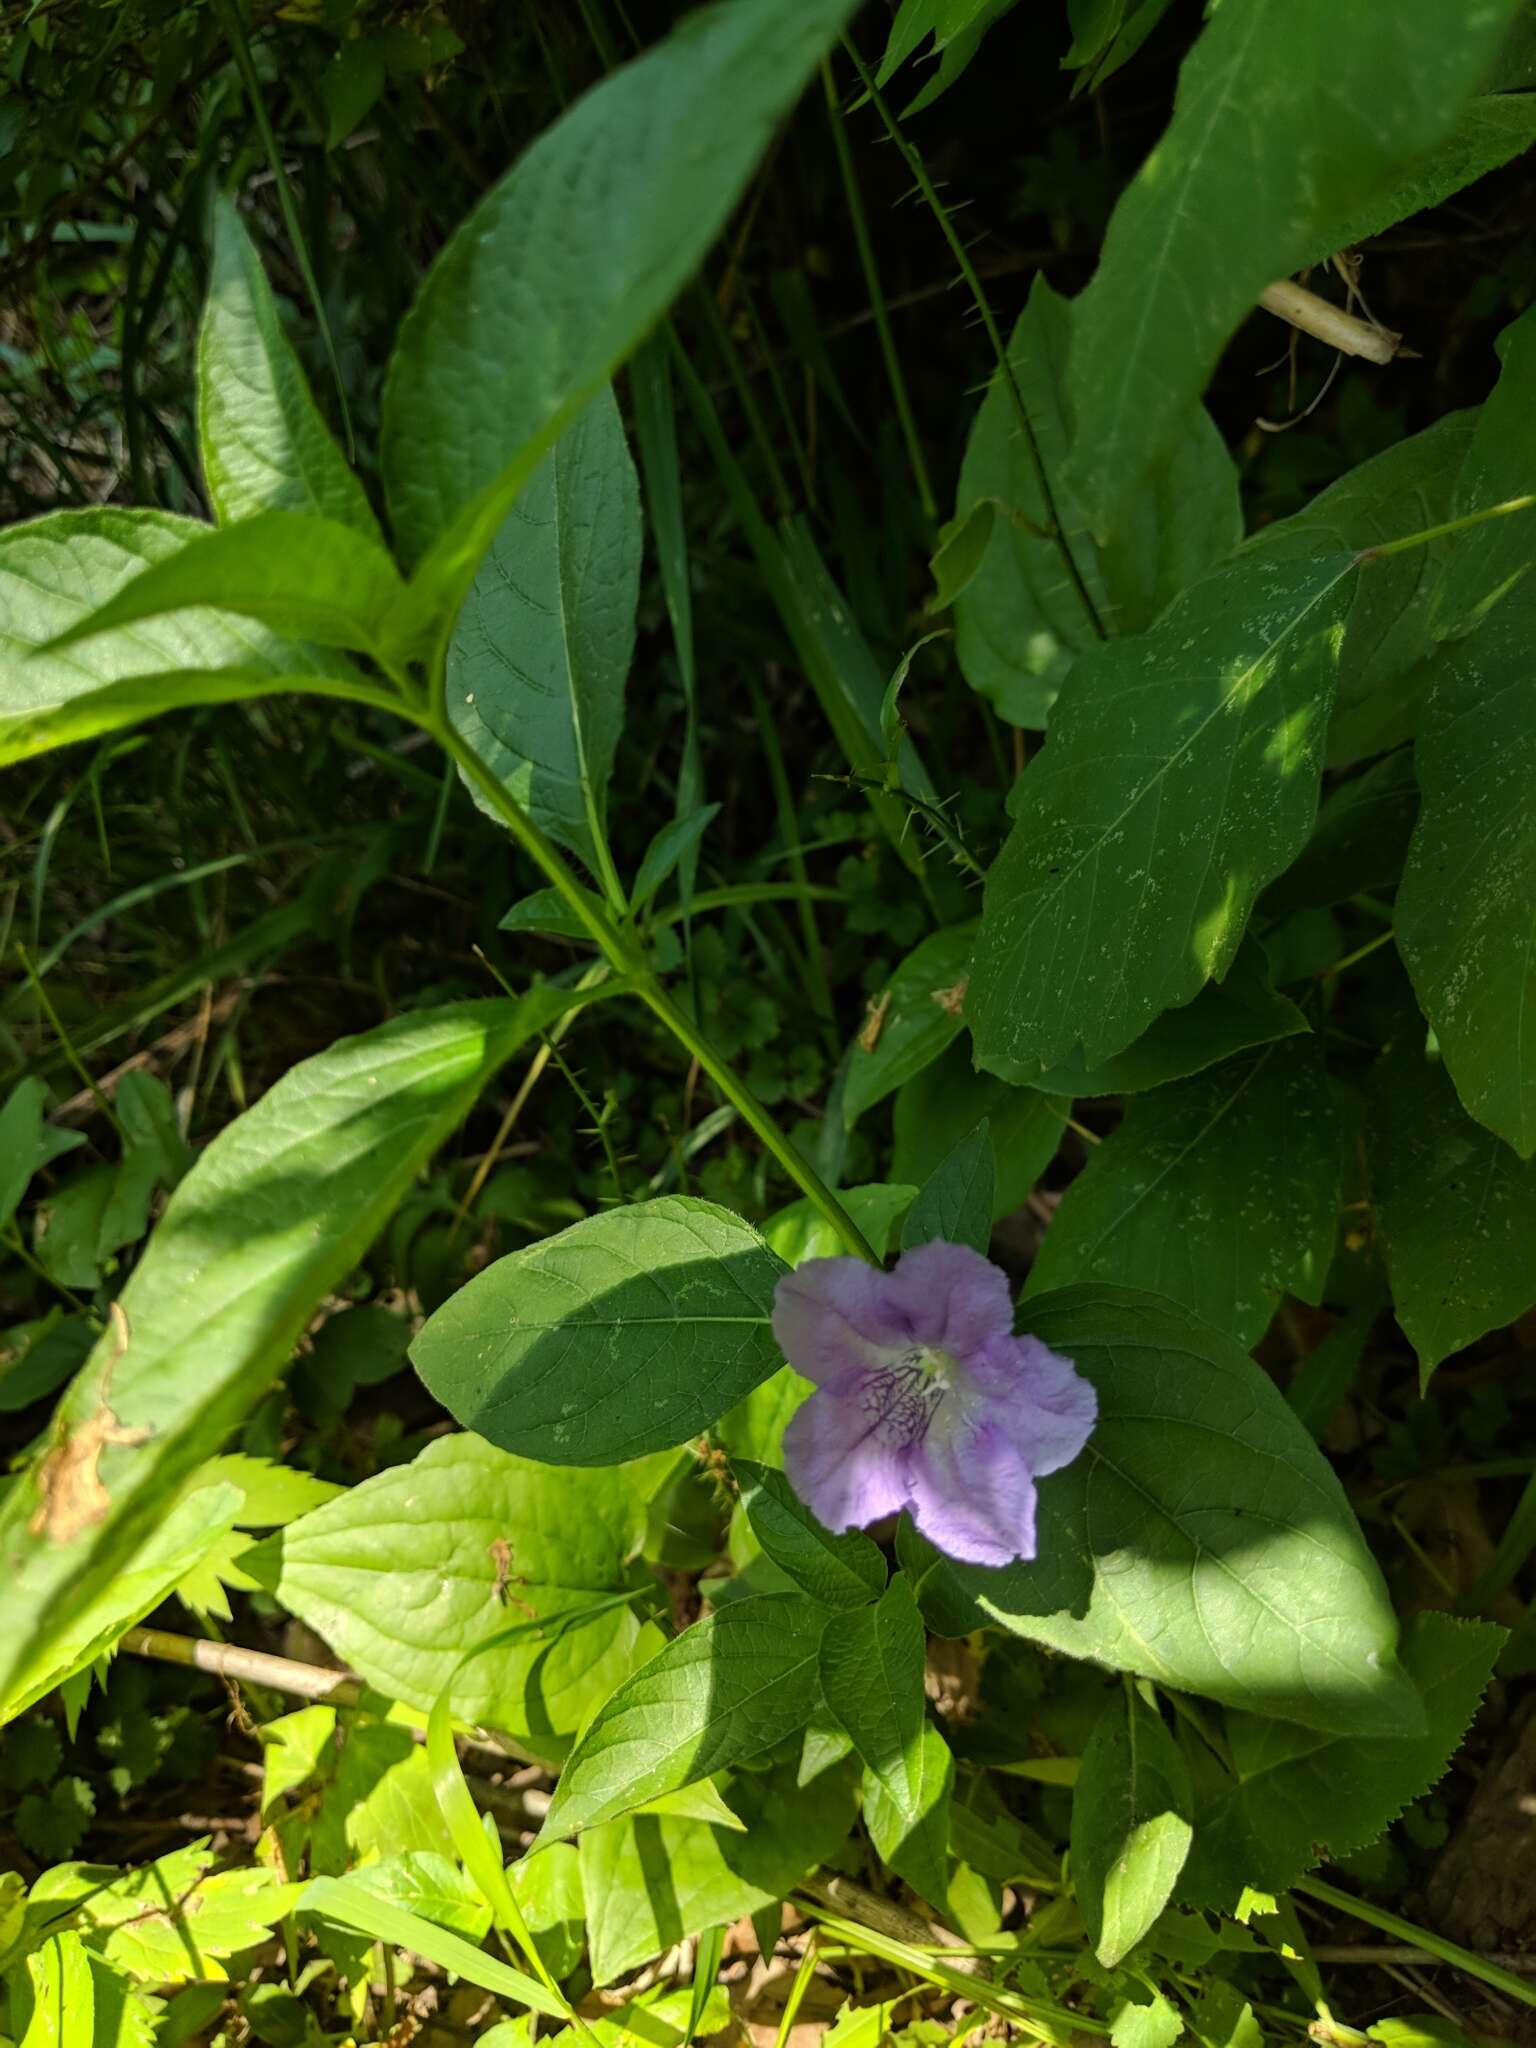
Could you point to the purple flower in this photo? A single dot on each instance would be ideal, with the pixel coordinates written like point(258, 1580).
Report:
point(925, 1400)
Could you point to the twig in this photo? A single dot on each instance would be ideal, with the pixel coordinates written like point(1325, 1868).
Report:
point(1330, 323)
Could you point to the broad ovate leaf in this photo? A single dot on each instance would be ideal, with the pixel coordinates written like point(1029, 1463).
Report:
point(404, 1573)
point(1201, 1540)
point(628, 1333)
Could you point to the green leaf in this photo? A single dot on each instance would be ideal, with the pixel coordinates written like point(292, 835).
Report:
point(1387, 642)
point(955, 1202)
point(800, 1231)
point(728, 1688)
point(406, 1572)
point(1332, 106)
point(962, 543)
point(1301, 1796)
point(1157, 2024)
point(1241, 1010)
point(21, 1142)
point(541, 650)
point(571, 258)
point(291, 571)
point(549, 1895)
point(263, 444)
point(1221, 1193)
point(94, 1619)
point(1021, 621)
point(1180, 776)
point(937, 1108)
point(1455, 1208)
point(276, 1211)
point(1464, 922)
point(911, 1021)
point(1489, 131)
point(838, 1570)
point(651, 1881)
point(56, 571)
point(60, 1987)
point(672, 844)
point(1131, 1830)
point(1201, 1539)
point(872, 1679)
point(348, 1902)
point(1360, 842)
point(911, 1833)
point(630, 1332)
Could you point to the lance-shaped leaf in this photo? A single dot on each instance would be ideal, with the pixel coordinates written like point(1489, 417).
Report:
point(627, 1333)
point(55, 571)
point(1220, 1192)
point(275, 1212)
point(292, 571)
point(263, 443)
point(872, 1679)
point(1201, 1539)
point(1287, 112)
point(912, 1020)
point(1131, 1830)
point(570, 259)
point(1465, 920)
point(541, 650)
point(839, 1570)
point(733, 1685)
point(1486, 562)
point(1181, 775)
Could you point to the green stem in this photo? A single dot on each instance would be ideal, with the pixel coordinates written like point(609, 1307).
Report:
point(625, 959)
point(1419, 1937)
point(877, 304)
point(1515, 1546)
point(1419, 540)
point(914, 162)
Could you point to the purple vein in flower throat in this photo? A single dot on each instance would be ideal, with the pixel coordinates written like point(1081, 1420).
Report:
point(925, 1400)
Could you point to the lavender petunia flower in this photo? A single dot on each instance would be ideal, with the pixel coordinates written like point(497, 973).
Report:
point(925, 1400)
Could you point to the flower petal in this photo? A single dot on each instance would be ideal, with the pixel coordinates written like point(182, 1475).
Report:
point(951, 1297)
point(835, 1460)
point(972, 1494)
point(1038, 1397)
point(829, 1319)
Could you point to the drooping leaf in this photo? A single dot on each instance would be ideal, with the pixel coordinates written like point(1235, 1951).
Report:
point(21, 1142)
point(937, 1108)
point(541, 650)
point(350, 1904)
point(1201, 1539)
point(275, 1212)
point(55, 571)
point(1455, 1208)
point(651, 1881)
point(1287, 112)
point(1180, 776)
point(627, 1333)
point(842, 1571)
point(1022, 620)
point(1241, 1010)
point(911, 1022)
point(1464, 920)
point(1489, 131)
point(1131, 1810)
point(1221, 1193)
point(1300, 1795)
point(911, 1832)
point(1486, 562)
point(955, 1202)
point(263, 444)
point(291, 571)
point(404, 1573)
point(570, 259)
point(728, 1688)
point(872, 1679)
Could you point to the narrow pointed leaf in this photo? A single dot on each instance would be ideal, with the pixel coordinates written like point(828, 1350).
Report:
point(1131, 1810)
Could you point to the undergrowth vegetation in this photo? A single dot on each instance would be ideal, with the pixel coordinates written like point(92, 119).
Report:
point(768, 1118)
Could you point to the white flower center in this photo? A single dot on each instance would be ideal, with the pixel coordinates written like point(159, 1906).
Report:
point(903, 1397)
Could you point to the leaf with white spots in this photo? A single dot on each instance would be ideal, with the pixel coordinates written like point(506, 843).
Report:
point(1180, 776)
